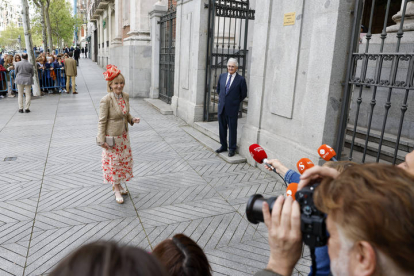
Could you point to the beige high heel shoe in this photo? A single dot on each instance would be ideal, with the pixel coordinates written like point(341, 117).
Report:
point(123, 190)
point(119, 200)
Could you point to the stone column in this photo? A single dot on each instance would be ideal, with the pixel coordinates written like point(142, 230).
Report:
point(117, 39)
point(139, 33)
point(408, 19)
point(111, 8)
point(190, 60)
point(106, 32)
point(99, 33)
point(155, 15)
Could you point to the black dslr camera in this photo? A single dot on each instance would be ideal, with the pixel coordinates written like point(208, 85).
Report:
point(312, 221)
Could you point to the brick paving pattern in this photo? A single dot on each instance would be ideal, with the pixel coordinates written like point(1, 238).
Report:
point(54, 199)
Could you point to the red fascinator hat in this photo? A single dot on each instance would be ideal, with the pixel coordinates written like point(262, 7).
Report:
point(111, 72)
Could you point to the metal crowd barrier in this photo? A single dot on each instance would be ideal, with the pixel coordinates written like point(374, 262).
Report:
point(46, 79)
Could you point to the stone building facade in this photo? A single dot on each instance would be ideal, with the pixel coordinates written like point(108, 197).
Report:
point(119, 33)
point(10, 14)
point(297, 59)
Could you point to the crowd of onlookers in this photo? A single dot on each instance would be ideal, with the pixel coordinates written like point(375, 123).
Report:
point(50, 69)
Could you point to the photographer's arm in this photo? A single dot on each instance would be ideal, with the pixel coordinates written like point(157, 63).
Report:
point(280, 168)
point(285, 237)
point(288, 175)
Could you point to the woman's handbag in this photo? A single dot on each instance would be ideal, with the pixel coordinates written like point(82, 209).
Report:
point(110, 140)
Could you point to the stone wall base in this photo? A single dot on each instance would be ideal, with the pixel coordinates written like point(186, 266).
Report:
point(186, 110)
point(134, 61)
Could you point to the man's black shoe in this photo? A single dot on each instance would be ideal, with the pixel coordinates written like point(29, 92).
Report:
point(231, 153)
point(27, 110)
point(21, 110)
point(221, 150)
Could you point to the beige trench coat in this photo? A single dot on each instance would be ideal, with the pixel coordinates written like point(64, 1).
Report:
point(112, 121)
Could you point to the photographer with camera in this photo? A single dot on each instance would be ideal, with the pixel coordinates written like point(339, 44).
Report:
point(370, 218)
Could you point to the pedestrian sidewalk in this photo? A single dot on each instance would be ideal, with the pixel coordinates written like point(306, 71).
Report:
point(54, 199)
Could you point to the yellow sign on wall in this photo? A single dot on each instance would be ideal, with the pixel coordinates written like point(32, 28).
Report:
point(289, 19)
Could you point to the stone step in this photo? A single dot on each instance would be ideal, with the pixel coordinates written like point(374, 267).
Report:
point(161, 106)
point(390, 140)
point(213, 145)
point(387, 152)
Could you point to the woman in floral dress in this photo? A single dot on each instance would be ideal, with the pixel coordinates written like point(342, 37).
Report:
point(114, 117)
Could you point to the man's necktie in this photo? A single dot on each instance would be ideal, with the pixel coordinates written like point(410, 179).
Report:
point(228, 85)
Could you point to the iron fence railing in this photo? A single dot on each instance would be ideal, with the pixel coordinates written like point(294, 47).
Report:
point(167, 55)
point(379, 80)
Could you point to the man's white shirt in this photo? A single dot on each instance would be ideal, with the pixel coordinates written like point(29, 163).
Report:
point(232, 78)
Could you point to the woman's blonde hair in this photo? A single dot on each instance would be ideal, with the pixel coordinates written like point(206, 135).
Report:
point(120, 77)
point(8, 59)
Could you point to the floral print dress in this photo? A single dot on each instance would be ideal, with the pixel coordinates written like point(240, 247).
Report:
point(117, 162)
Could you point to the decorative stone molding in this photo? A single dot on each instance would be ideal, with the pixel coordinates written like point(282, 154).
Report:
point(408, 19)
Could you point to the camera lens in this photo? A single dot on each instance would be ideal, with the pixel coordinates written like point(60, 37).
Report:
point(254, 212)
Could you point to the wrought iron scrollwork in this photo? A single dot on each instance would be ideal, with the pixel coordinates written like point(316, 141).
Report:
point(234, 9)
point(400, 83)
point(384, 82)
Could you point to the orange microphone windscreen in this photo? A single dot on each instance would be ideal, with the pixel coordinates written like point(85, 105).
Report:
point(304, 164)
point(291, 190)
point(326, 152)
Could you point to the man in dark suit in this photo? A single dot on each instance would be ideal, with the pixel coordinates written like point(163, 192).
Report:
point(76, 55)
point(232, 90)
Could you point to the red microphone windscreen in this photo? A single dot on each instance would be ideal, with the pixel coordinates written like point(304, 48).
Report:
point(291, 190)
point(304, 164)
point(258, 153)
point(326, 152)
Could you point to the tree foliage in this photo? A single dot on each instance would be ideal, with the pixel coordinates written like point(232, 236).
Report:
point(8, 37)
point(62, 22)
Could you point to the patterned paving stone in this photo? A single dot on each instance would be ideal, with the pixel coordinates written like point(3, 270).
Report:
point(179, 186)
point(13, 258)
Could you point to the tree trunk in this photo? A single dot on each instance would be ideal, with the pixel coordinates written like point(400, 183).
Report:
point(49, 29)
point(29, 45)
point(41, 6)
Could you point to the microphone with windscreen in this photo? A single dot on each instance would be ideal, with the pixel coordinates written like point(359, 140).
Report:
point(304, 164)
point(327, 153)
point(291, 190)
point(260, 156)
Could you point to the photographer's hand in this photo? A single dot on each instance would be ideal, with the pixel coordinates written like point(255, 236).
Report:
point(280, 168)
point(315, 173)
point(285, 237)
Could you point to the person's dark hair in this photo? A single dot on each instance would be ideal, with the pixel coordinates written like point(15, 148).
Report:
point(182, 256)
point(24, 56)
point(70, 54)
point(108, 258)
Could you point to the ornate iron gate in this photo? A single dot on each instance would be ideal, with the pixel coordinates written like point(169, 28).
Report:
point(167, 54)
point(378, 83)
point(227, 38)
